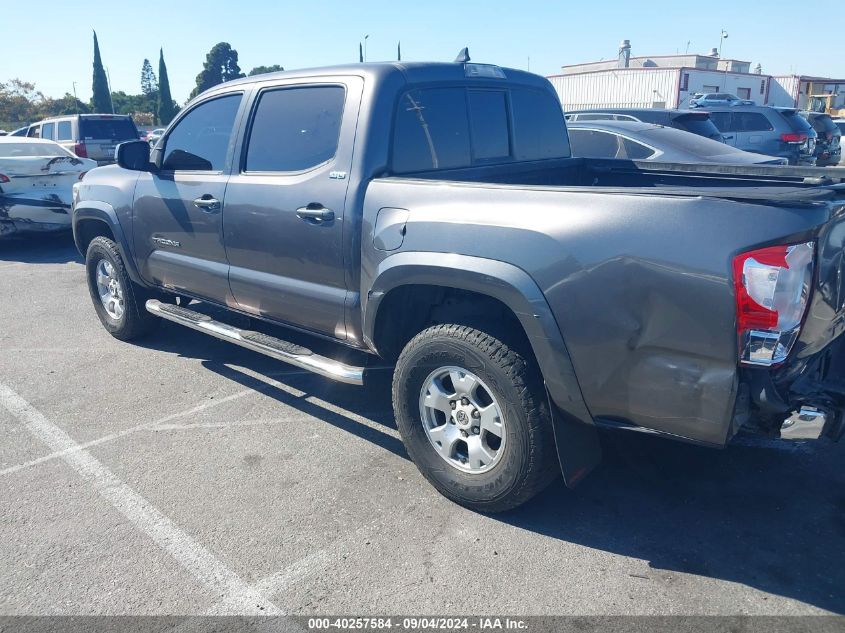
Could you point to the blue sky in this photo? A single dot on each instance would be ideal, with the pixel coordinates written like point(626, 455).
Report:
point(303, 34)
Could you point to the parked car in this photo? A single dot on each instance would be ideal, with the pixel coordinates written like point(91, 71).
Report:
point(765, 130)
point(840, 123)
point(696, 122)
point(3, 133)
point(93, 136)
point(717, 99)
point(432, 215)
point(646, 141)
point(828, 145)
point(36, 180)
point(152, 137)
point(688, 120)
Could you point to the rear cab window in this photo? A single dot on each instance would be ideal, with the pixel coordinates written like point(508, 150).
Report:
point(452, 127)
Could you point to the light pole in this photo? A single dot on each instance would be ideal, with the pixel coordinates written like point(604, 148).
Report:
point(75, 98)
point(722, 38)
point(366, 37)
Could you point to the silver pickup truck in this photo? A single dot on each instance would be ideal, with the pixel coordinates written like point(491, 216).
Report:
point(430, 217)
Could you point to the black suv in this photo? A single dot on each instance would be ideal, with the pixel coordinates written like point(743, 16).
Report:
point(828, 148)
point(687, 120)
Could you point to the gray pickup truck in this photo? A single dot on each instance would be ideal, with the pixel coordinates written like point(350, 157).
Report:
point(429, 216)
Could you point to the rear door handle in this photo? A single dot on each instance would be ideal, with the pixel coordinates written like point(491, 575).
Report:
point(315, 213)
point(207, 203)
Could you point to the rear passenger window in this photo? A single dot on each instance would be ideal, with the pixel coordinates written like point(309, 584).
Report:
point(539, 129)
point(65, 132)
point(723, 121)
point(751, 122)
point(488, 115)
point(432, 130)
point(295, 128)
point(47, 130)
point(200, 140)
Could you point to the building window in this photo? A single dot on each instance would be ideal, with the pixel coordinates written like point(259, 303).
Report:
point(685, 82)
point(743, 93)
point(763, 87)
point(710, 89)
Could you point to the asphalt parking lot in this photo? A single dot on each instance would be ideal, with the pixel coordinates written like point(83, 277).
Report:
point(184, 475)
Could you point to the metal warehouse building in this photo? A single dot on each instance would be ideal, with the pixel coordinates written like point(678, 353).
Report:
point(668, 81)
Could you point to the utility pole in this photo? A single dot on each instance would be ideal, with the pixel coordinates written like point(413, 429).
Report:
point(75, 98)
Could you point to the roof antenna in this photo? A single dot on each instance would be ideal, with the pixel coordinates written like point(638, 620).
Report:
point(463, 56)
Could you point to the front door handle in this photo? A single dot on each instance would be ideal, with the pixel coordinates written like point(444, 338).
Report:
point(207, 203)
point(315, 213)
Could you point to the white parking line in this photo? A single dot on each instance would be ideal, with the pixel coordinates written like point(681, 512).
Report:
point(113, 436)
point(201, 563)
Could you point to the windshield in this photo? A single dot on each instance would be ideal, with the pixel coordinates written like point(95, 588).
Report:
point(18, 150)
point(799, 123)
point(110, 129)
point(823, 123)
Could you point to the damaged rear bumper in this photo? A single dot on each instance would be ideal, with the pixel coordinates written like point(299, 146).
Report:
point(804, 400)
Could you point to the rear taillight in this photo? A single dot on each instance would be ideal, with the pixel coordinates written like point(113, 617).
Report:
point(772, 288)
point(793, 138)
point(79, 150)
point(3, 178)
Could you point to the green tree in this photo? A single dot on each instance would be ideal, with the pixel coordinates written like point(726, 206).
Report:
point(221, 64)
point(261, 70)
point(100, 87)
point(149, 83)
point(167, 108)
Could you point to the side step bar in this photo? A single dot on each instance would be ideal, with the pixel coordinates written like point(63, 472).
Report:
point(256, 341)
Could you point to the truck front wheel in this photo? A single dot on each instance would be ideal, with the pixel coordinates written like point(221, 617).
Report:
point(119, 302)
point(473, 416)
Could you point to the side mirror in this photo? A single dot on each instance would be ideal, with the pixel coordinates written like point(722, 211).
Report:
point(134, 155)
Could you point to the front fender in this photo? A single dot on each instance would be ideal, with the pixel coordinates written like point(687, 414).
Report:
point(105, 213)
point(499, 280)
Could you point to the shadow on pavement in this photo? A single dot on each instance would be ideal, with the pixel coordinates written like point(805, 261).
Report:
point(47, 248)
point(764, 514)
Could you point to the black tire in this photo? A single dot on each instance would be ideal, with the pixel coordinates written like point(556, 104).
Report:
point(135, 321)
point(529, 460)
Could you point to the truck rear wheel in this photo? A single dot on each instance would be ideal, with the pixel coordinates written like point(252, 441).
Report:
point(473, 416)
point(119, 303)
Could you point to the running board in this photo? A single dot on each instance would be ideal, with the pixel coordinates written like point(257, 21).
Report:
point(284, 351)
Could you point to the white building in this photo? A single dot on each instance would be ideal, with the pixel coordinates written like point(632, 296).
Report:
point(807, 93)
point(656, 82)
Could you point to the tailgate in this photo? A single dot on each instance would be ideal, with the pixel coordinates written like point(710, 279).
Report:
point(825, 319)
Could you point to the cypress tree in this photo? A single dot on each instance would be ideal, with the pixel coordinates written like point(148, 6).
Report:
point(101, 99)
point(166, 111)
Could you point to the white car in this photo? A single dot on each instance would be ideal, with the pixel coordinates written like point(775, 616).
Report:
point(36, 182)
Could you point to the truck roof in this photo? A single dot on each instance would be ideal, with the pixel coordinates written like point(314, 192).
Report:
point(413, 72)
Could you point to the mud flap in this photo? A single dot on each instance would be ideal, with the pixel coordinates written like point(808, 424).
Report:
point(578, 446)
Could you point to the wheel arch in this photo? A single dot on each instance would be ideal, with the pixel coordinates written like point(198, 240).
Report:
point(504, 283)
point(98, 219)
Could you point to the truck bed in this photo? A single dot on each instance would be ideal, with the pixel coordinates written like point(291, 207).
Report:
point(737, 182)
